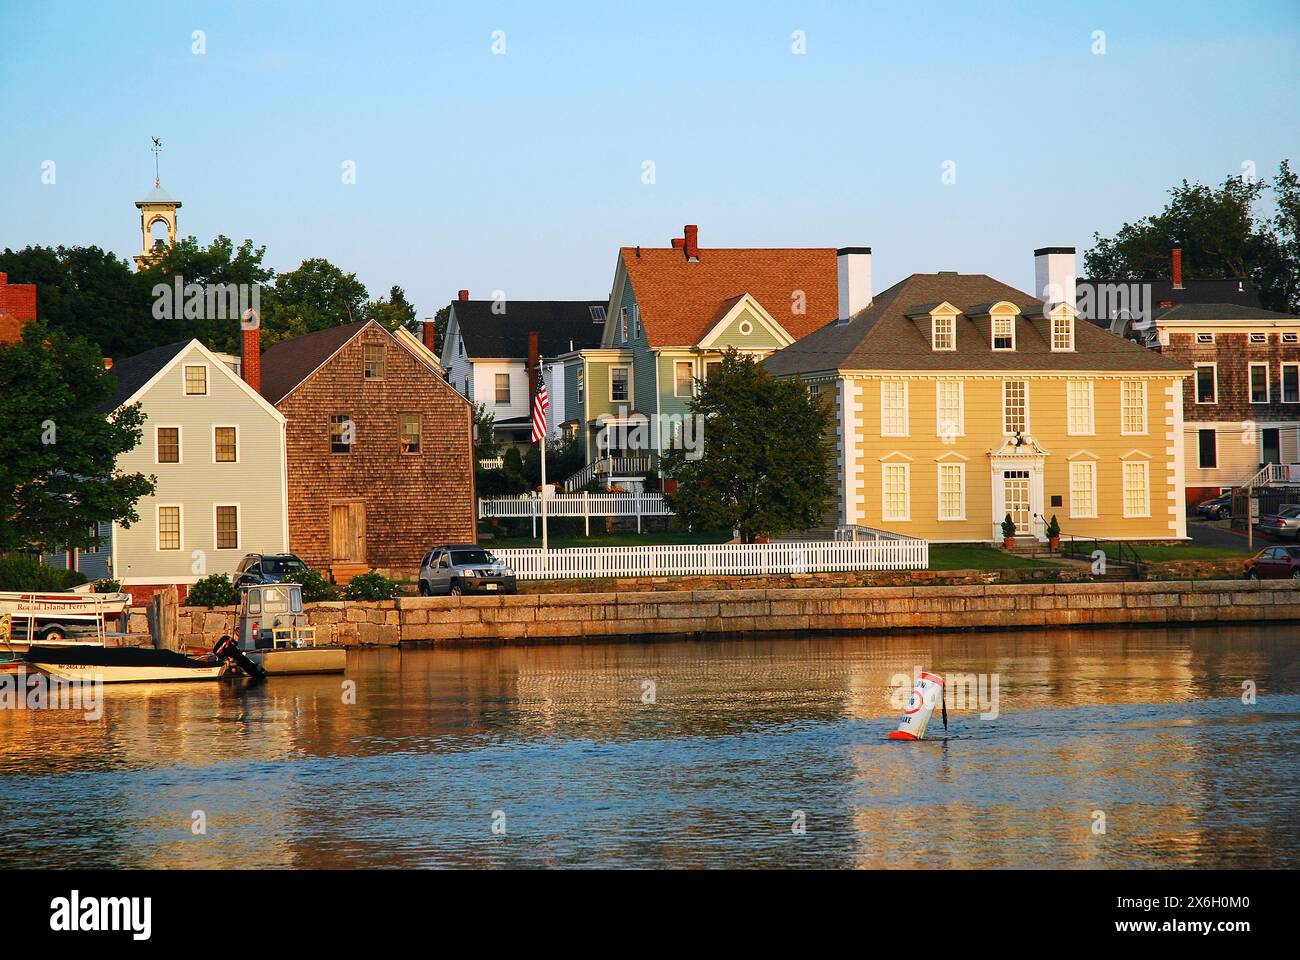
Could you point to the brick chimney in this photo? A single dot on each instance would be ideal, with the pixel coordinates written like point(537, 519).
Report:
point(462, 295)
point(692, 241)
point(1177, 255)
point(250, 356)
point(532, 368)
point(679, 243)
point(430, 331)
point(17, 308)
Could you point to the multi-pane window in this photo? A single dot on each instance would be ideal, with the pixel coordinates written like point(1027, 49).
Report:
point(1207, 449)
point(228, 528)
point(1259, 383)
point(893, 408)
point(196, 380)
point(1205, 338)
point(1079, 406)
point(1291, 383)
point(1133, 406)
point(1015, 412)
point(1062, 333)
point(409, 432)
point(581, 383)
point(225, 444)
point(1206, 386)
point(1259, 338)
point(636, 322)
point(503, 388)
point(618, 384)
point(711, 367)
point(952, 491)
point(944, 333)
point(342, 433)
point(683, 378)
point(622, 319)
point(1083, 488)
point(1291, 338)
point(894, 491)
point(1136, 499)
point(949, 409)
point(374, 361)
point(169, 528)
point(169, 444)
point(1004, 332)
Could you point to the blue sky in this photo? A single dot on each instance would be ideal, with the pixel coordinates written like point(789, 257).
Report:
point(523, 171)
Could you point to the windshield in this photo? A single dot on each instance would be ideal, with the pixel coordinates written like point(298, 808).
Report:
point(281, 566)
point(462, 558)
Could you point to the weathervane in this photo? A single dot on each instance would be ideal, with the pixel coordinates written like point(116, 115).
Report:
point(156, 148)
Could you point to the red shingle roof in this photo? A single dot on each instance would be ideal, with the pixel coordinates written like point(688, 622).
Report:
point(680, 301)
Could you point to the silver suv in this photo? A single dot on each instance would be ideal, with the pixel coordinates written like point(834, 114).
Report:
point(460, 568)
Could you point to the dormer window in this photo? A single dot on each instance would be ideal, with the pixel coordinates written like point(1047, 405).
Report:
point(1062, 332)
point(1004, 332)
point(943, 333)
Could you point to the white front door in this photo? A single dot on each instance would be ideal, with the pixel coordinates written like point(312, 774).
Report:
point(1015, 496)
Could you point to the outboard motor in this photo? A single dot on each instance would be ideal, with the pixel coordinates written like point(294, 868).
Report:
point(226, 649)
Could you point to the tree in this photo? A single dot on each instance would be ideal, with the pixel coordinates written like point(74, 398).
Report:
point(395, 312)
point(58, 450)
point(1221, 235)
point(314, 297)
point(766, 466)
point(440, 320)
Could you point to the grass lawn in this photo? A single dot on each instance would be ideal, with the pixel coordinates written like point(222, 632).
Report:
point(1159, 553)
point(649, 539)
point(950, 557)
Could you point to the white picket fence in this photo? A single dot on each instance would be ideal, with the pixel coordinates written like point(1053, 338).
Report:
point(718, 559)
point(577, 505)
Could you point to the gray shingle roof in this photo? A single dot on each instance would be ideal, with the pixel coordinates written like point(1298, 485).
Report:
point(290, 362)
point(561, 325)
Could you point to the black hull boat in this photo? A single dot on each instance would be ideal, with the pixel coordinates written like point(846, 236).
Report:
point(122, 664)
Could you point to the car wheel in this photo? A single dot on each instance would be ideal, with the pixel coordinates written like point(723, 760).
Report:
point(424, 589)
point(1253, 575)
point(455, 590)
point(1295, 574)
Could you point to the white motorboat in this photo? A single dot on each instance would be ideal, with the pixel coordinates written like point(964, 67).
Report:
point(90, 664)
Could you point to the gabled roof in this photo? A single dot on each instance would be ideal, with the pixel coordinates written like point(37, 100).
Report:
point(290, 362)
point(681, 300)
point(561, 326)
point(883, 337)
point(134, 372)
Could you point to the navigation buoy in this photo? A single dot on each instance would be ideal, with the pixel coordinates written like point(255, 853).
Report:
point(927, 692)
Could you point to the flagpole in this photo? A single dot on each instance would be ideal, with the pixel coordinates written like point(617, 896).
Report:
point(540, 368)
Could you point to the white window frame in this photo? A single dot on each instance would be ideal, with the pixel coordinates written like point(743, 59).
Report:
point(636, 322)
point(580, 382)
point(496, 390)
point(239, 526)
point(225, 426)
point(180, 444)
point(690, 389)
point(1124, 488)
point(622, 320)
point(1092, 409)
point(885, 386)
point(207, 380)
point(1205, 338)
point(1281, 383)
point(1005, 431)
point(1258, 338)
point(950, 333)
point(1215, 432)
point(620, 366)
point(994, 320)
point(1069, 333)
point(1145, 425)
point(1290, 338)
point(383, 361)
point(1250, 383)
point(961, 489)
point(180, 527)
point(1092, 471)
point(961, 407)
point(885, 516)
point(1196, 385)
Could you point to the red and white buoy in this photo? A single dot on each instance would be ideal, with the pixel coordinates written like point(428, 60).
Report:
point(916, 716)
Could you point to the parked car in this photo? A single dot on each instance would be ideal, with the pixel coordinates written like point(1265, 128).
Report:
point(459, 568)
point(267, 568)
point(1282, 523)
point(1216, 508)
point(1274, 563)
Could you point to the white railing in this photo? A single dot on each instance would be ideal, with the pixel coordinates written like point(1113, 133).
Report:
point(1270, 473)
point(717, 559)
point(577, 505)
point(492, 463)
point(609, 467)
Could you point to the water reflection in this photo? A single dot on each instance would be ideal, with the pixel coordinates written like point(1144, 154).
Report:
point(1146, 727)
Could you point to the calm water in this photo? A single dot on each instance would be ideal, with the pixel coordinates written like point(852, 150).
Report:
point(1147, 726)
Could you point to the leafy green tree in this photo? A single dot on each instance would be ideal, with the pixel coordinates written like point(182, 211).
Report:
point(766, 465)
point(314, 297)
point(395, 312)
point(564, 458)
point(58, 451)
point(440, 320)
point(1221, 234)
point(486, 445)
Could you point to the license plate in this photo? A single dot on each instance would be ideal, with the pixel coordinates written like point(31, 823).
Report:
point(489, 586)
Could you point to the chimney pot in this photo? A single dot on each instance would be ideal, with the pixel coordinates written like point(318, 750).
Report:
point(250, 357)
point(853, 268)
point(1177, 256)
point(692, 241)
point(462, 295)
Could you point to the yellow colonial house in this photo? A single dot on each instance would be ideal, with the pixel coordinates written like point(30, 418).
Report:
point(960, 400)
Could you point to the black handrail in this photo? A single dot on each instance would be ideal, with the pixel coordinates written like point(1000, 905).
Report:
point(1115, 551)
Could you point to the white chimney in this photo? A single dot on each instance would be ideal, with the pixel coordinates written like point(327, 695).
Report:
point(1054, 275)
point(854, 279)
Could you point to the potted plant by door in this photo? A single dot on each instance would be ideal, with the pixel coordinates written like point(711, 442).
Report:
point(1053, 533)
point(1008, 533)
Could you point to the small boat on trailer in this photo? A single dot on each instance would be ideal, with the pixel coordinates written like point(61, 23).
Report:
point(91, 664)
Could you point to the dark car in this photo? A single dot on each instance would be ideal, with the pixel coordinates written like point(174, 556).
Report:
point(1216, 508)
point(1283, 523)
point(459, 568)
point(267, 568)
point(1274, 563)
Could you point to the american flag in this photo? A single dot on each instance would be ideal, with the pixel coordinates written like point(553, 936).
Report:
point(541, 403)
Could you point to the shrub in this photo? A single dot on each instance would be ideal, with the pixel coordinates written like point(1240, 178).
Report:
point(108, 586)
point(370, 586)
point(315, 587)
point(214, 590)
point(1008, 527)
point(24, 571)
